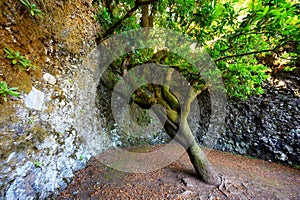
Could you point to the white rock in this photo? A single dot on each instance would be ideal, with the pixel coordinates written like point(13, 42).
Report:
point(35, 99)
point(189, 182)
point(49, 78)
point(48, 60)
point(186, 193)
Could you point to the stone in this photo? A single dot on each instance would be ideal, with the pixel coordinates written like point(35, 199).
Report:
point(186, 194)
point(264, 126)
point(282, 156)
point(189, 182)
point(35, 99)
point(49, 78)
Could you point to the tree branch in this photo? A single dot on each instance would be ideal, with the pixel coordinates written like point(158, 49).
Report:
point(110, 31)
point(254, 52)
point(243, 54)
point(188, 101)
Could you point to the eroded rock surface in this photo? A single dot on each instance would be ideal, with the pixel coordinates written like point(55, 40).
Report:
point(265, 126)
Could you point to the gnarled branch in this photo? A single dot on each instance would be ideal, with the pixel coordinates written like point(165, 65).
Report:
point(110, 31)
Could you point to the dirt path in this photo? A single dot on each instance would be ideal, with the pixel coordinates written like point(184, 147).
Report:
point(243, 178)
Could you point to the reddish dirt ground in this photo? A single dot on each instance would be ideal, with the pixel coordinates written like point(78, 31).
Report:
point(243, 178)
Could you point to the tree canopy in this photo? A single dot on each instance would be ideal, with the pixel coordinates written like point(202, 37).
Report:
point(237, 34)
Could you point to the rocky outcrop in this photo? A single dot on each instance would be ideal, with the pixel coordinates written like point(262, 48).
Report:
point(41, 144)
point(265, 126)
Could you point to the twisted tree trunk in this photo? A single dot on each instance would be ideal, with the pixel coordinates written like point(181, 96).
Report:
point(180, 131)
point(203, 168)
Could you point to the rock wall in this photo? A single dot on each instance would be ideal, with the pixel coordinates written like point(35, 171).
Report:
point(265, 126)
point(44, 133)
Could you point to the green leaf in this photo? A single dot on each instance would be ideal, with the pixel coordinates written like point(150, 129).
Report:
point(10, 56)
point(266, 10)
point(17, 53)
point(25, 63)
point(16, 94)
point(7, 50)
point(13, 88)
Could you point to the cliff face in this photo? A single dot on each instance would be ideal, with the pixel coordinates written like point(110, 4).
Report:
point(66, 28)
point(267, 126)
point(40, 147)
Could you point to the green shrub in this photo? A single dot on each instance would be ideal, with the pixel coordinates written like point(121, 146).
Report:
point(20, 61)
point(32, 8)
point(5, 90)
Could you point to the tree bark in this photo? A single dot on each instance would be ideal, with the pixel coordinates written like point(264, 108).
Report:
point(145, 16)
point(204, 170)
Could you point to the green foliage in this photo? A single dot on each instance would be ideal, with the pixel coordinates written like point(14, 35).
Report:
point(106, 17)
point(31, 121)
point(5, 90)
point(144, 119)
point(32, 8)
point(289, 69)
point(81, 157)
point(103, 17)
point(233, 32)
point(20, 61)
point(38, 164)
point(243, 80)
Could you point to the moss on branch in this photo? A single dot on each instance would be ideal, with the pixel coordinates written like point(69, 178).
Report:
point(170, 98)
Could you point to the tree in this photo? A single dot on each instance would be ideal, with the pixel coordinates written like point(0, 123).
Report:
point(234, 33)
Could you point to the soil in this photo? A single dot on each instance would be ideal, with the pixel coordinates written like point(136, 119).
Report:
point(64, 35)
point(47, 41)
point(242, 178)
